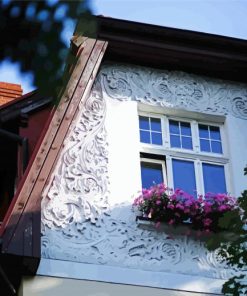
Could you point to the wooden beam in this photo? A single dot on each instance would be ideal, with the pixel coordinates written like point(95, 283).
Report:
point(27, 199)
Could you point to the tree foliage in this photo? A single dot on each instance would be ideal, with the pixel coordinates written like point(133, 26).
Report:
point(31, 35)
point(233, 246)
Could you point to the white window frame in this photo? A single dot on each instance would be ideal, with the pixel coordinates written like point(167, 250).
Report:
point(157, 161)
point(153, 115)
point(168, 134)
point(195, 155)
point(223, 139)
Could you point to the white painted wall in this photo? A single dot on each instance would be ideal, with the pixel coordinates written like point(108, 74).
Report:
point(124, 156)
point(236, 132)
point(57, 286)
point(103, 242)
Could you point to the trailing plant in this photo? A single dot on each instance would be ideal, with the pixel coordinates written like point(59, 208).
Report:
point(233, 249)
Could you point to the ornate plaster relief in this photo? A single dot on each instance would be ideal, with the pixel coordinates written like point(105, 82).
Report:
point(173, 89)
point(79, 224)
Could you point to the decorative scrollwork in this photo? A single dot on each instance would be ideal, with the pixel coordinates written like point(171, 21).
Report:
point(79, 188)
point(174, 89)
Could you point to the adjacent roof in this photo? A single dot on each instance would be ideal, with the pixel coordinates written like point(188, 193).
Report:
point(24, 104)
point(9, 91)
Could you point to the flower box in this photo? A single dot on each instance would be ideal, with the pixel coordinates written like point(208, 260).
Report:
point(161, 205)
point(171, 230)
point(183, 229)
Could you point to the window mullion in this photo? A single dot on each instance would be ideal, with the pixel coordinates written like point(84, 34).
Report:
point(166, 133)
point(170, 183)
point(195, 136)
point(180, 133)
point(199, 177)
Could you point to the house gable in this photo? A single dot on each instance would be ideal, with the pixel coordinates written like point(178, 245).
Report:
point(83, 220)
point(21, 230)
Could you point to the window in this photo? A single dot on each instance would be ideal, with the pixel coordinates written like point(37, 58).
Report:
point(150, 130)
point(184, 175)
point(214, 177)
point(180, 134)
point(210, 139)
point(193, 153)
point(151, 173)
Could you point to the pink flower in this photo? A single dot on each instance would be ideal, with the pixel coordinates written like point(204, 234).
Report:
point(159, 201)
point(222, 208)
point(157, 225)
point(178, 191)
point(179, 206)
point(173, 197)
point(207, 222)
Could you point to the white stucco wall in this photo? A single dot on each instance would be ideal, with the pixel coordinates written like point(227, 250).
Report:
point(236, 130)
point(124, 156)
point(55, 286)
point(88, 226)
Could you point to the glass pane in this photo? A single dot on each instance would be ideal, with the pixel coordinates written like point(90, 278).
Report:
point(144, 122)
point(203, 131)
point(175, 141)
point(184, 176)
point(145, 137)
point(173, 127)
point(156, 138)
point(155, 124)
point(151, 173)
point(185, 128)
point(216, 146)
point(187, 143)
point(205, 145)
point(215, 133)
point(214, 178)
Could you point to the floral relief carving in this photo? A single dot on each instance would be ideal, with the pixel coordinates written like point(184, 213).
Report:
point(120, 242)
point(175, 90)
point(79, 187)
point(79, 224)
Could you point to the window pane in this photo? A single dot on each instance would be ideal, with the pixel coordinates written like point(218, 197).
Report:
point(184, 176)
point(187, 142)
point(215, 133)
point(203, 131)
point(145, 137)
point(155, 124)
point(175, 141)
point(216, 146)
point(144, 122)
point(185, 128)
point(156, 138)
point(214, 178)
point(151, 173)
point(173, 127)
point(205, 145)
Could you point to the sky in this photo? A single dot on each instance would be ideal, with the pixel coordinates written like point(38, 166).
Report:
point(221, 17)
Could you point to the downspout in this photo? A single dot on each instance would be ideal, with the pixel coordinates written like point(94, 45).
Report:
point(22, 142)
